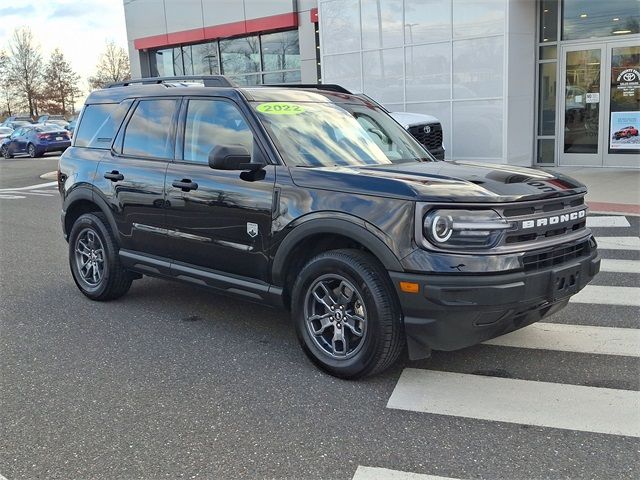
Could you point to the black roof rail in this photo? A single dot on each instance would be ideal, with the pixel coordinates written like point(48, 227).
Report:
point(332, 87)
point(207, 80)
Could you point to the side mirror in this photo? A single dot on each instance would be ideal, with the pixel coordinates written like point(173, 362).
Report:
point(231, 157)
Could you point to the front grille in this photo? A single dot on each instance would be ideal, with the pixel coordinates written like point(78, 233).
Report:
point(557, 209)
point(431, 140)
point(555, 256)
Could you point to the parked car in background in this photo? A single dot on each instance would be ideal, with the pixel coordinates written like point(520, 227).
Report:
point(5, 132)
point(57, 119)
point(72, 126)
point(426, 129)
point(16, 121)
point(36, 140)
point(629, 131)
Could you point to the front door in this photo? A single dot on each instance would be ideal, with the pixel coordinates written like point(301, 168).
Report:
point(600, 104)
point(217, 219)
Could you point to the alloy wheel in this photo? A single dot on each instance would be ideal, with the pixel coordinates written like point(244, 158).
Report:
point(335, 316)
point(90, 257)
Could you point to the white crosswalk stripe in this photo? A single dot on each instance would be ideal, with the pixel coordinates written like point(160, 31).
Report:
point(620, 266)
point(605, 295)
point(608, 221)
point(574, 338)
point(618, 243)
point(375, 473)
point(556, 405)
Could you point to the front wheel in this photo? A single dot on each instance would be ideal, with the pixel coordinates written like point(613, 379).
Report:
point(94, 261)
point(346, 314)
point(4, 151)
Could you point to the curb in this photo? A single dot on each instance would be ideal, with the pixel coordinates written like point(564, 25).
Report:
point(50, 175)
point(614, 208)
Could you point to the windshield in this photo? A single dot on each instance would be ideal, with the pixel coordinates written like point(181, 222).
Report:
point(326, 134)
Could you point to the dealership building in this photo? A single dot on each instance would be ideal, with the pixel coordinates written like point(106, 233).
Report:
point(522, 82)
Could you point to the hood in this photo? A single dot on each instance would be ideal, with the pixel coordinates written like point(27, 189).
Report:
point(407, 119)
point(455, 182)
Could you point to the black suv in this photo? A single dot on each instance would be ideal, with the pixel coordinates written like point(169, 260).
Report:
point(313, 199)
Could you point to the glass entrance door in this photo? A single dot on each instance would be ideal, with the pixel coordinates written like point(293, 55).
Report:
point(622, 122)
point(599, 120)
point(581, 115)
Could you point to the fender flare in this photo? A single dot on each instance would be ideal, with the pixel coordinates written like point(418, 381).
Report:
point(351, 228)
point(86, 192)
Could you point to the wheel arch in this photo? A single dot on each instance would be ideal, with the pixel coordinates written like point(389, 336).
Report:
point(80, 201)
point(314, 236)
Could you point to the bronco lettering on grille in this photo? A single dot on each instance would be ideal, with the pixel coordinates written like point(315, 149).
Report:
point(555, 220)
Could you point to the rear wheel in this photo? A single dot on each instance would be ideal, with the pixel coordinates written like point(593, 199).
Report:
point(94, 261)
point(33, 151)
point(346, 314)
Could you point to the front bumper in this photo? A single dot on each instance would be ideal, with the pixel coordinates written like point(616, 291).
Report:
point(451, 312)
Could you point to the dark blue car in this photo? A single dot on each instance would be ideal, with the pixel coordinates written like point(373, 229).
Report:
point(36, 140)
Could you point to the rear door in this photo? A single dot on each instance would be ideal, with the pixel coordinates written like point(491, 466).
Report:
point(223, 222)
point(131, 176)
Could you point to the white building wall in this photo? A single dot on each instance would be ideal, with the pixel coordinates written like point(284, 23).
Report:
point(451, 59)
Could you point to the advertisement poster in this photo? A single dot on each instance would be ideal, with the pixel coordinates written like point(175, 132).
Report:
point(624, 131)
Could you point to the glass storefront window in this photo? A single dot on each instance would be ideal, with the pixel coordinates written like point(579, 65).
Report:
point(549, 20)
point(546, 151)
point(280, 51)
point(547, 99)
point(381, 24)
point(240, 55)
point(426, 21)
point(205, 59)
point(478, 17)
point(624, 122)
point(282, 77)
point(549, 52)
point(598, 18)
point(243, 59)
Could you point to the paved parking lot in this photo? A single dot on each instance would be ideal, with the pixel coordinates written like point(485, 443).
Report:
point(176, 382)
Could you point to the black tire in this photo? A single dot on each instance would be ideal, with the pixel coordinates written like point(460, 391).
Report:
point(114, 280)
point(5, 152)
point(383, 338)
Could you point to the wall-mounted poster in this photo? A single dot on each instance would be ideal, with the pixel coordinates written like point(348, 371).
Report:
point(624, 131)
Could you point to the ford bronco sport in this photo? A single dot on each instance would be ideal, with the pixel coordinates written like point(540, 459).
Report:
point(313, 199)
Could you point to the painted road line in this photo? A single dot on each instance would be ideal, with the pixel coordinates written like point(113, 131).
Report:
point(618, 243)
point(30, 187)
point(555, 405)
point(602, 295)
point(574, 338)
point(611, 221)
point(620, 266)
point(10, 197)
point(375, 473)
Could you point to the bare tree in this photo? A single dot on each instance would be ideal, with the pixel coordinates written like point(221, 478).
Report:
point(25, 67)
point(113, 66)
point(60, 84)
point(6, 92)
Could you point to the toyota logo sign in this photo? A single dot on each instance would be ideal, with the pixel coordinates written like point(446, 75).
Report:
point(629, 77)
point(427, 129)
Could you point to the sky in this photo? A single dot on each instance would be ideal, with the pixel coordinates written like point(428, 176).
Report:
point(80, 28)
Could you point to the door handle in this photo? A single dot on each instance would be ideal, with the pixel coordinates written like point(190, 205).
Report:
point(114, 176)
point(185, 185)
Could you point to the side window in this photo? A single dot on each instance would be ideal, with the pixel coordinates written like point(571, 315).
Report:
point(149, 131)
point(211, 123)
point(93, 117)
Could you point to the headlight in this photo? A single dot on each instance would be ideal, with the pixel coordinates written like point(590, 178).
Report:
point(464, 229)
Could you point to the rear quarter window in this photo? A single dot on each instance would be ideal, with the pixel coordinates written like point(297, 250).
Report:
point(99, 124)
